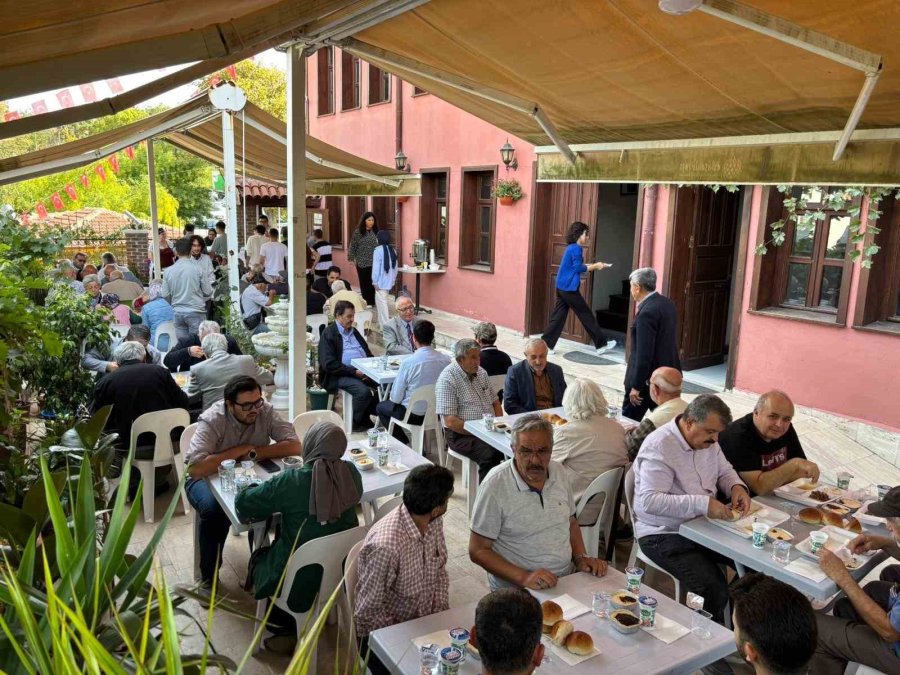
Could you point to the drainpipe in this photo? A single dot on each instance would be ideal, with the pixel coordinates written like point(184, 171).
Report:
point(648, 225)
point(398, 146)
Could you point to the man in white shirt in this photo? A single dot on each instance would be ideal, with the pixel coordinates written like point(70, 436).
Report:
point(273, 257)
point(187, 289)
point(255, 242)
point(253, 299)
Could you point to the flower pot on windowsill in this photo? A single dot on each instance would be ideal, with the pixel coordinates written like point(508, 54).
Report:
point(507, 201)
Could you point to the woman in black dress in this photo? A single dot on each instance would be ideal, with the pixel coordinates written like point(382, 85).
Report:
point(362, 248)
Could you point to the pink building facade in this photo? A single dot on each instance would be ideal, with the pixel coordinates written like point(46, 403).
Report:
point(803, 318)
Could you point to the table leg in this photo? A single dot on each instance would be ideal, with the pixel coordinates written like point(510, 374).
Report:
point(419, 307)
point(197, 576)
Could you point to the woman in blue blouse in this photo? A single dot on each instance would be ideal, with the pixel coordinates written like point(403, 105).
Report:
point(571, 267)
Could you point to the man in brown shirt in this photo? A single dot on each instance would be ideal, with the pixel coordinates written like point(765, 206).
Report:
point(533, 384)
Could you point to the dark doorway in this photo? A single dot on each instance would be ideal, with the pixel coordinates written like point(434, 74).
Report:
point(700, 269)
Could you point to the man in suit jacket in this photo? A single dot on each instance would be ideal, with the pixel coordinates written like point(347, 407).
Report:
point(654, 342)
point(339, 345)
point(188, 352)
point(397, 333)
point(209, 377)
point(533, 384)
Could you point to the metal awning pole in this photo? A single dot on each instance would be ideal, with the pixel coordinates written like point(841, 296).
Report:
point(154, 214)
point(230, 208)
point(296, 183)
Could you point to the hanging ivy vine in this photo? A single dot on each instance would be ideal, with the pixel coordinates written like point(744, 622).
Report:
point(848, 199)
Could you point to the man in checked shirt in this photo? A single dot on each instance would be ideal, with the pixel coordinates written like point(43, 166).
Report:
point(402, 564)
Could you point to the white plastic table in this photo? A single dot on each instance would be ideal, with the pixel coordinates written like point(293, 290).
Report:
point(500, 440)
point(370, 366)
point(741, 551)
point(418, 272)
point(636, 654)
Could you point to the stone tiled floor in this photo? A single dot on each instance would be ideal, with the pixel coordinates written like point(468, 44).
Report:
point(832, 444)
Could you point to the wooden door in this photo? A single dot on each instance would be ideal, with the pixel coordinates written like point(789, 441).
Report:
point(701, 262)
point(557, 205)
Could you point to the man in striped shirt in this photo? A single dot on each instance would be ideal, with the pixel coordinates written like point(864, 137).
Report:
point(323, 248)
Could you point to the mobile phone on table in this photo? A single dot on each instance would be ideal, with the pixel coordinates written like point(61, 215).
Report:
point(269, 465)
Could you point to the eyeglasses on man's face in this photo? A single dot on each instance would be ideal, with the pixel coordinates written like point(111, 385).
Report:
point(542, 454)
point(252, 405)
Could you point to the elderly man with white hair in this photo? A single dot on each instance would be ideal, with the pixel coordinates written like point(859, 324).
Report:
point(340, 292)
point(209, 377)
point(533, 384)
point(665, 392)
point(116, 283)
point(591, 443)
point(189, 352)
point(397, 333)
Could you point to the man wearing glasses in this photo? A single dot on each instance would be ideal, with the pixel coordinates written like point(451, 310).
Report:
point(524, 531)
point(80, 260)
point(242, 426)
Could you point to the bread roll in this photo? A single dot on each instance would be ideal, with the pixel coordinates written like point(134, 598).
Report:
point(811, 516)
point(832, 519)
point(580, 643)
point(853, 525)
point(552, 614)
point(560, 631)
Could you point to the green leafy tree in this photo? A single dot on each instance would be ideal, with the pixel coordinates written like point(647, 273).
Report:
point(265, 86)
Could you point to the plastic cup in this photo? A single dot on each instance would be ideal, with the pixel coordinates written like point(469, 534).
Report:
point(882, 490)
point(612, 411)
point(488, 421)
point(228, 485)
point(600, 604)
point(394, 456)
point(843, 480)
point(781, 552)
point(647, 606)
point(817, 540)
point(223, 479)
point(247, 467)
point(760, 530)
point(451, 659)
point(459, 638)
point(373, 437)
point(382, 456)
point(633, 576)
point(700, 624)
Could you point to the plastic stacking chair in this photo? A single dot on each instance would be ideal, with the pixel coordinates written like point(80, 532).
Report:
point(416, 432)
point(469, 476)
point(387, 507)
point(160, 424)
point(497, 383)
point(606, 484)
point(348, 597)
point(119, 329)
point(304, 421)
point(636, 552)
point(166, 328)
point(316, 323)
point(363, 320)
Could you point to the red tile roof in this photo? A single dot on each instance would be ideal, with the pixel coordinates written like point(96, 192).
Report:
point(102, 222)
point(258, 188)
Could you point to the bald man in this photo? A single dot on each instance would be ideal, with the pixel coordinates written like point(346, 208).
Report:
point(665, 391)
point(763, 446)
point(534, 383)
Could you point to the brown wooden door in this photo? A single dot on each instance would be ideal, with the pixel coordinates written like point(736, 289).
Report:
point(701, 263)
point(557, 205)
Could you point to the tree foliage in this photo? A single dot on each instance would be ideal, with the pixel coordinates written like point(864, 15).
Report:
point(265, 86)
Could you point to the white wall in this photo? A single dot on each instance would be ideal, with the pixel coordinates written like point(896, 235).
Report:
point(615, 241)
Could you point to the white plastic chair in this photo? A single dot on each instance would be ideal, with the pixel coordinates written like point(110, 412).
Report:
point(316, 323)
point(387, 507)
point(166, 328)
point(184, 443)
point(119, 329)
point(304, 421)
point(160, 423)
point(636, 552)
point(328, 552)
point(607, 484)
point(431, 422)
point(363, 320)
point(348, 597)
point(469, 475)
point(497, 382)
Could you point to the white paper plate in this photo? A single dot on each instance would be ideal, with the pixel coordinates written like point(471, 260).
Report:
point(758, 513)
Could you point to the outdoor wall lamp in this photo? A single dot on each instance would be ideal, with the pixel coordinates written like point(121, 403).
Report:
point(400, 162)
point(508, 155)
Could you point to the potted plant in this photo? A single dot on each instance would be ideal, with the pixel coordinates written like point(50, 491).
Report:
point(318, 397)
point(507, 191)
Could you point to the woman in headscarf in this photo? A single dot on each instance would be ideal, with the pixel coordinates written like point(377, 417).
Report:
point(155, 311)
point(315, 500)
point(118, 312)
point(384, 274)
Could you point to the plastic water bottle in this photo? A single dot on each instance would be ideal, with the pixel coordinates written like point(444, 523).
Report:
point(428, 660)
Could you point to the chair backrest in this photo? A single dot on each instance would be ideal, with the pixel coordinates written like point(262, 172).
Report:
point(629, 490)
point(328, 552)
point(317, 322)
point(363, 320)
point(166, 328)
point(119, 329)
point(185, 441)
point(351, 577)
point(424, 394)
point(606, 484)
point(387, 507)
point(160, 423)
point(304, 421)
point(497, 382)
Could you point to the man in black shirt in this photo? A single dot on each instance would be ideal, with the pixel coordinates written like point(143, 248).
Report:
point(763, 447)
point(493, 360)
point(323, 286)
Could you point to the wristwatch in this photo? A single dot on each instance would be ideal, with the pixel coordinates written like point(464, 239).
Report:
point(252, 454)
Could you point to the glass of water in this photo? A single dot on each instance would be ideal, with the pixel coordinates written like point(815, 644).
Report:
point(843, 480)
point(223, 478)
point(600, 604)
point(700, 624)
point(781, 552)
point(488, 421)
point(613, 411)
point(394, 455)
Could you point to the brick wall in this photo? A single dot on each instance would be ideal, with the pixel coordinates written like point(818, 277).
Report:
point(136, 242)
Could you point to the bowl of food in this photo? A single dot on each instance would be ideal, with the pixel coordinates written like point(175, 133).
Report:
point(292, 461)
point(357, 452)
point(624, 621)
point(624, 600)
point(364, 464)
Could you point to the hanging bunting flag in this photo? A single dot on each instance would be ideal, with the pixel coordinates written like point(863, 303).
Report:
point(88, 92)
point(57, 202)
point(214, 81)
point(64, 96)
point(10, 116)
point(39, 107)
point(25, 219)
point(129, 152)
point(86, 181)
point(41, 210)
point(232, 72)
point(73, 194)
point(114, 85)
point(100, 171)
point(114, 162)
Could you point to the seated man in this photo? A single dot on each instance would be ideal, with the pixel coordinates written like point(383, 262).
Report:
point(341, 294)
point(508, 626)
point(101, 362)
point(397, 582)
point(110, 259)
point(339, 345)
point(523, 530)
point(463, 392)
point(419, 370)
point(665, 392)
point(254, 299)
point(397, 333)
point(323, 285)
point(774, 625)
point(677, 474)
point(116, 283)
point(493, 360)
point(865, 628)
point(763, 447)
point(188, 353)
point(243, 426)
point(209, 377)
point(92, 287)
point(533, 384)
